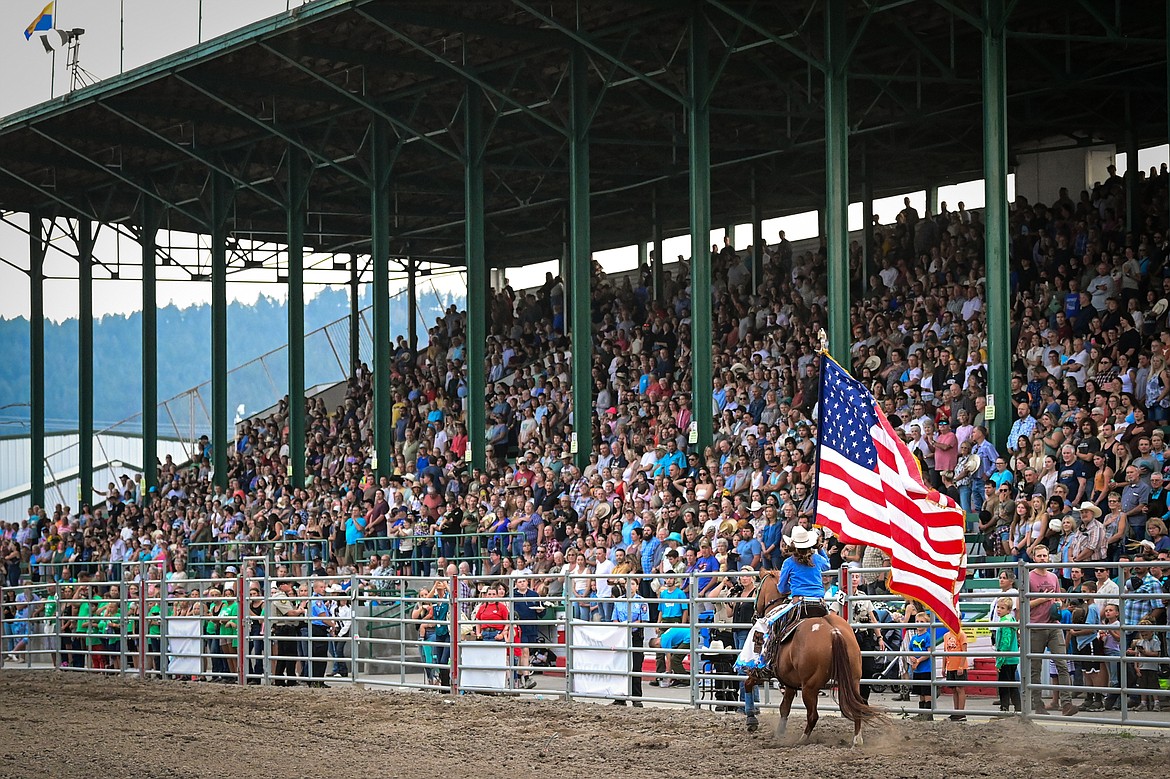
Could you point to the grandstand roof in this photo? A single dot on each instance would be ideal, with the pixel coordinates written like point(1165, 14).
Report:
point(314, 78)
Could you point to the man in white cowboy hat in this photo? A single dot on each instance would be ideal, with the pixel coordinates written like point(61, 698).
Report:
point(1093, 535)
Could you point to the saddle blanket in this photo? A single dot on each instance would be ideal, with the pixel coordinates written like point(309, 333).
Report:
point(755, 649)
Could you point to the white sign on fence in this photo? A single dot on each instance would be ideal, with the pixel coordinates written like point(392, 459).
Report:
point(491, 661)
point(601, 661)
point(183, 646)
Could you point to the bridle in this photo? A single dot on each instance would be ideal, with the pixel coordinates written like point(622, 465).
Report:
point(762, 610)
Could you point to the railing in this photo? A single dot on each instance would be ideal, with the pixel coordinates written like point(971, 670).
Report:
point(560, 638)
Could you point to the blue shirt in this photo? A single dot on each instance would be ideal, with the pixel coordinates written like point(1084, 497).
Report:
point(922, 644)
point(706, 565)
point(747, 549)
point(675, 603)
point(649, 548)
point(355, 530)
point(318, 611)
point(633, 610)
point(803, 581)
point(675, 638)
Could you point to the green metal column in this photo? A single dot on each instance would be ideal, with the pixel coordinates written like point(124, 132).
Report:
point(643, 254)
point(995, 172)
point(757, 217)
point(869, 260)
point(85, 359)
point(221, 197)
point(477, 282)
point(412, 303)
point(355, 324)
point(298, 189)
point(836, 213)
point(699, 147)
point(36, 344)
point(656, 239)
point(380, 264)
point(148, 243)
point(581, 322)
point(1133, 170)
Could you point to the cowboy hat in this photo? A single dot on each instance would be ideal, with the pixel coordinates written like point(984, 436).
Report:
point(1160, 308)
point(802, 538)
point(602, 511)
point(1090, 507)
point(756, 506)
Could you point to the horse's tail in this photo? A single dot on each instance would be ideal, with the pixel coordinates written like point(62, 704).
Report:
point(848, 693)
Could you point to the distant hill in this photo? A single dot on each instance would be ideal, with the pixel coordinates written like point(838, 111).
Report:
point(184, 356)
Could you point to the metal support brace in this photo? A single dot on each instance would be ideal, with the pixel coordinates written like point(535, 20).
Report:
point(1133, 171)
point(380, 261)
point(298, 191)
point(85, 360)
point(580, 258)
point(699, 146)
point(151, 216)
point(37, 244)
point(995, 172)
point(477, 283)
point(837, 178)
point(221, 198)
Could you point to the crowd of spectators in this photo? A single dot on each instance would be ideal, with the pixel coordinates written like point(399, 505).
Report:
point(1082, 471)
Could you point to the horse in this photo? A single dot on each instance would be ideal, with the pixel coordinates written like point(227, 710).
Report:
point(821, 649)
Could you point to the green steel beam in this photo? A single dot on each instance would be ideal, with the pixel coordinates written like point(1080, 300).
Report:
point(381, 200)
point(995, 171)
point(151, 217)
point(699, 149)
point(355, 324)
point(188, 151)
point(580, 257)
point(581, 40)
point(298, 189)
point(837, 178)
point(464, 73)
point(869, 261)
point(656, 238)
point(412, 303)
point(758, 240)
point(37, 242)
point(275, 129)
point(123, 178)
point(1133, 170)
point(368, 105)
point(477, 281)
point(779, 40)
point(85, 359)
point(221, 202)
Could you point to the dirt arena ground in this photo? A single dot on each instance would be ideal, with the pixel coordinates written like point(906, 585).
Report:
point(58, 725)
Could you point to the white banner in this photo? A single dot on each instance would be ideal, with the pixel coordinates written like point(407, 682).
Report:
point(601, 660)
point(184, 646)
point(491, 659)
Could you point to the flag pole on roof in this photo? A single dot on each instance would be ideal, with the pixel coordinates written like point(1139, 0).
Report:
point(869, 490)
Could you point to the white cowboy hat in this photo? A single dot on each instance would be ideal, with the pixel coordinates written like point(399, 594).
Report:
point(756, 506)
point(803, 539)
point(1090, 507)
point(1160, 307)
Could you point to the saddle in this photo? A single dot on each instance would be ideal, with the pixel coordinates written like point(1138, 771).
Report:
point(804, 609)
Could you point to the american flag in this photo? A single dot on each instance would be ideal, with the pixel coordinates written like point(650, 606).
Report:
point(870, 491)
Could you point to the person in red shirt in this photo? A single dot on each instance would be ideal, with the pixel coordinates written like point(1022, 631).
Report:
point(492, 615)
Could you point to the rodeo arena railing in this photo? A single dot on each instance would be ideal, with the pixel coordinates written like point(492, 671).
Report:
point(625, 638)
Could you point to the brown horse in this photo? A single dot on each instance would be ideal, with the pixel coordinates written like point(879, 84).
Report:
point(822, 649)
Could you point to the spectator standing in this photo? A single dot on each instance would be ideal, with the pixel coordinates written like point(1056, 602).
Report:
point(1043, 587)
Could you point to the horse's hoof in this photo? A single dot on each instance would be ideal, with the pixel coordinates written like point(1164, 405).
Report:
point(858, 741)
point(753, 724)
point(803, 739)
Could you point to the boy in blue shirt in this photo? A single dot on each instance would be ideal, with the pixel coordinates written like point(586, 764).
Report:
point(674, 601)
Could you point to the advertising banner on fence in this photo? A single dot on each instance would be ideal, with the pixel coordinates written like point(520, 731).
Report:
point(183, 645)
point(483, 665)
point(601, 660)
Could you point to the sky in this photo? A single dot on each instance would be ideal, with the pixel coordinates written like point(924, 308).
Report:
point(123, 34)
